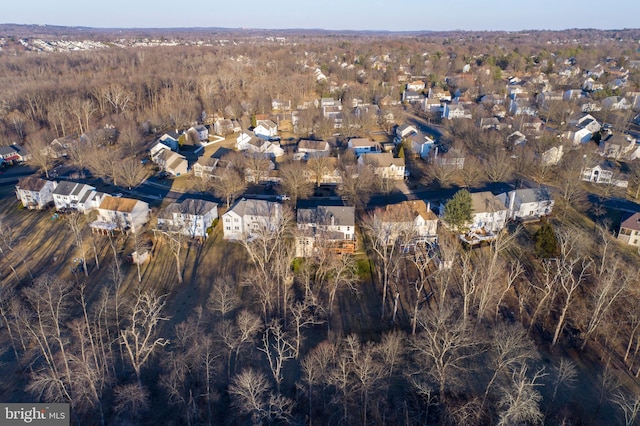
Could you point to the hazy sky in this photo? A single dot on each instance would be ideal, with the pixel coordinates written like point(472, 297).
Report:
point(329, 14)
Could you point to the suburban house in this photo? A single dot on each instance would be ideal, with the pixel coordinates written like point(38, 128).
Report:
point(255, 145)
point(412, 97)
point(223, 127)
point(58, 147)
point(172, 162)
point(413, 216)
point(331, 227)
point(616, 103)
point(619, 147)
point(35, 193)
point(14, 154)
point(74, 196)
point(201, 130)
point(489, 213)
point(527, 204)
point(421, 144)
point(247, 217)
point(452, 158)
point(552, 156)
point(490, 123)
point(311, 148)
point(454, 111)
point(266, 129)
point(545, 97)
point(328, 174)
point(384, 165)
point(170, 140)
point(602, 174)
point(404, 131)
point(522, 106)
point(363, 146)
point(516, 138)
point(489, 216)
point(191, 217)
point(440, 94)
point(588, 122)
point(204, 167)
point(119, 213)
point(416, 86)
point(579, 136)
point(432, 105)
point(630, 230)
point(280, 105)
point(367, 110)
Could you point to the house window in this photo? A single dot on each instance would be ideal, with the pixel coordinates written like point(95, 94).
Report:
point(235, 219)
point(237, 228)
point(228, 228)
point(625, 231)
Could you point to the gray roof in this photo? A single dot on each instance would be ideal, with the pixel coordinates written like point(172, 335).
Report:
point(196, 207)
point(327, 215)
point(254, 207)
point(65, 188)
point(532, 195)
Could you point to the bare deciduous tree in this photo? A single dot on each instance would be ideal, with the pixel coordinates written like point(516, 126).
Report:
point(520, 401)
point(139, 335)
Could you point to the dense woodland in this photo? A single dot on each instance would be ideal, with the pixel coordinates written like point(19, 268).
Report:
point(540, 327)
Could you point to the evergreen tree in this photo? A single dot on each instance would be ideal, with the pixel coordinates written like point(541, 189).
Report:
point(545, 240)
point(458, 210)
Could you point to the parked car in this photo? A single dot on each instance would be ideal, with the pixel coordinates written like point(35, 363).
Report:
point(283, 198)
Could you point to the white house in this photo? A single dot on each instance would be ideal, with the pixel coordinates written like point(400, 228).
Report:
point(416, 86)
point(119, 213)
point(204, 167)
point(616, 103)
point(247, 217)
point(190, 217)
point(454, 111)
point(489, 213)
point(73, 196)
point(35, 193)
point(600, 174)
point(489, 216)
point(265, 129)
point(404, 131)
point(620, 147)
point(412, 97)
point(312, 148)
point(588, 122)
point(384, 165)
point(421, 144)
point(527, 204)
point(331, 226)
point(363, 145)
point(201, 130)
point(439, 94)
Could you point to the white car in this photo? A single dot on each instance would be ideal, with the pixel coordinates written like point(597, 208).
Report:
point(283, 198)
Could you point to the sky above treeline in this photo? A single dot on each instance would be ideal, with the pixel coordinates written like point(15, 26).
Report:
point(398, 15)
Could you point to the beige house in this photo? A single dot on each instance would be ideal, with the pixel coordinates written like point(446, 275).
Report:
point(630, 230)
point(414, 217)
point(384, 165)
point(172, 162)
point(124, 214)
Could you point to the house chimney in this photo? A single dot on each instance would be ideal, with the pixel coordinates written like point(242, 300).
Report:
point(512, 200)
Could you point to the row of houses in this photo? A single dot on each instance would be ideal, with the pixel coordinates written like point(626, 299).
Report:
point(191, 217)
point(114, 212)
point(333, 227)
